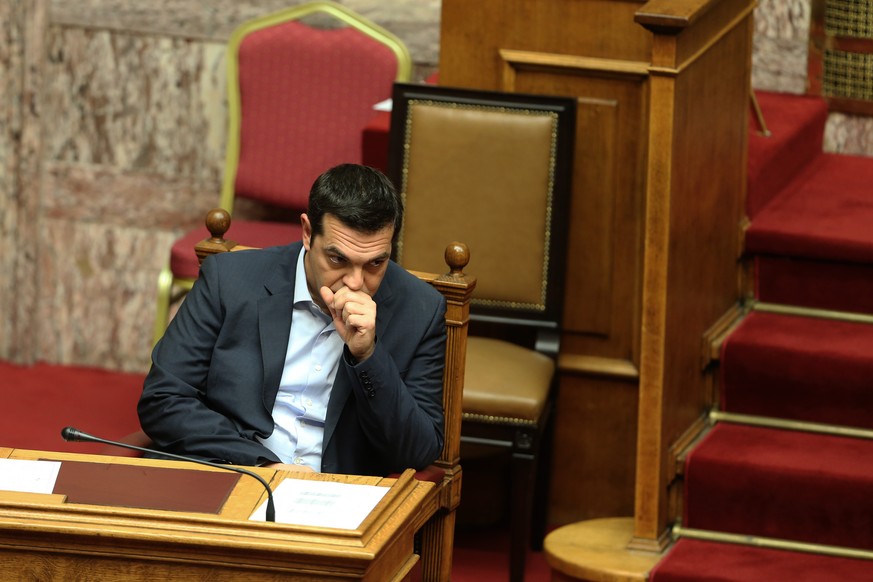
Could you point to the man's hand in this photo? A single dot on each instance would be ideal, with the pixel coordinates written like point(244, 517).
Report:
point(354, 317)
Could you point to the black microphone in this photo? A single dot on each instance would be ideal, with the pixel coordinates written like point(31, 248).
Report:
point(71, 434)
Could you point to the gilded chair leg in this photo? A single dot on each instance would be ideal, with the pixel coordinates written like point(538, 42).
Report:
point(165, 288)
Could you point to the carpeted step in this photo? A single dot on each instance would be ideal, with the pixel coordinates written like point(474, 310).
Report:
point(819, 284)
point(796, 124)
point(781, 484)
point(825, 213)
point(818, 227)
point(694, 560)
point(40, 400)
point(799, 368)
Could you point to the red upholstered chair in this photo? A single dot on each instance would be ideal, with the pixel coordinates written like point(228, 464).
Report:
point(299, 95)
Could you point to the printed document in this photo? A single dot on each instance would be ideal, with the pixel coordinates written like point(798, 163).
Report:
point(322, 503)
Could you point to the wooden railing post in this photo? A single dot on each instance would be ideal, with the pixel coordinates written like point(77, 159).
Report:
point(695, 186)
point(438, 533)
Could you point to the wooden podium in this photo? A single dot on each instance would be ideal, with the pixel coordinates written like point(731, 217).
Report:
point(47, 537)
point(657, 219)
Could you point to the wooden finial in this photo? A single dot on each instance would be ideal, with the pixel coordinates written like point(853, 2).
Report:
point(457, 257)
point(218, 223)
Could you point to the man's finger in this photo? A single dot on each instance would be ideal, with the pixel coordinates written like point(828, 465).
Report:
point(326, 295)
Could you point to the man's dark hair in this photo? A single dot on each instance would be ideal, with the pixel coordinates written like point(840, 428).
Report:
point(360, 197)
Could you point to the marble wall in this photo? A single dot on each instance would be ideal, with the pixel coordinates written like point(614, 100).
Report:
point(22, 34)
point(129, 111)
point(112, 127)
point(779, 64)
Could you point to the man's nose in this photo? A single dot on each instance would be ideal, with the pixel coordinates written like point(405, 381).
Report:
point(354, 279)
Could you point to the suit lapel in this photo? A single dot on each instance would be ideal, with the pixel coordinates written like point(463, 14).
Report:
point(384, 299)
point(274, 322)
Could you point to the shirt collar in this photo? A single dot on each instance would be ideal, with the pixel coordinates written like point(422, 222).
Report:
point(301, 285)
point(302, 297)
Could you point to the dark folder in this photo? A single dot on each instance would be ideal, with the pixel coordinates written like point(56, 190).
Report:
point(144, 487)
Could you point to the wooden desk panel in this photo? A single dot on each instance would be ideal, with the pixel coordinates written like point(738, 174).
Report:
point(43, 538)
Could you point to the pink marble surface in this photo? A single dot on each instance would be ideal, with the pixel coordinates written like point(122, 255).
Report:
point(21, 65)
point(416, 22)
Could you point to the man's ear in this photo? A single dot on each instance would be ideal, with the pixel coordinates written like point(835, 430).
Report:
point(307, 231)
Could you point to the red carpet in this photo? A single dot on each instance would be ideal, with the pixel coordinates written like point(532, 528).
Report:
point(837, 285)
point(811, 212)
point(481, 556)
point(812, 245)
point(780, 365)
point(826, 213)
point(782, 484)
point(796, 127)
point(693, 561)
point(40, 400)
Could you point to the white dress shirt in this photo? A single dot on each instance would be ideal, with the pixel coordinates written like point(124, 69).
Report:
point(311, 363)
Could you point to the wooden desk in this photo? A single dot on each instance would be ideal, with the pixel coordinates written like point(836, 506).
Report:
point(44, 538)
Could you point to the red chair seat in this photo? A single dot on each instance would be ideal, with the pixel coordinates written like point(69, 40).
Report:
point(183, 260)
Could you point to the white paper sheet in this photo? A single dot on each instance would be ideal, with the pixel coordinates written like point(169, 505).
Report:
point(383, 105)
point(28, 476)
point(322, 503)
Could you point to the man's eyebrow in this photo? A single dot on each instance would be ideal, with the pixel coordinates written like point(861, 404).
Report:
point(335, 251)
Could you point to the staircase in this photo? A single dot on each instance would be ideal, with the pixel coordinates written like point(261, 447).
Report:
point(781, 487)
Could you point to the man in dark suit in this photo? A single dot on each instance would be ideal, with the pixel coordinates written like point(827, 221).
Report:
point(323, 354)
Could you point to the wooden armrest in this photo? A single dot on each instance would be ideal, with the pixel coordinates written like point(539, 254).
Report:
point(431, 473)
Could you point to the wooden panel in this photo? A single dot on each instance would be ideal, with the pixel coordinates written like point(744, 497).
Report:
point(593, 51)
point(607, 197)
point(593, 462)
point(471, 36)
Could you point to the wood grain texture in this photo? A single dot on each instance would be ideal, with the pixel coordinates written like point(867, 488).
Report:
point(593, 51)
point(695, 189)
point(45, 541)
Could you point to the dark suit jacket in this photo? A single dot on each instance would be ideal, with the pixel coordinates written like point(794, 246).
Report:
point(215, 373)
